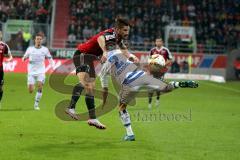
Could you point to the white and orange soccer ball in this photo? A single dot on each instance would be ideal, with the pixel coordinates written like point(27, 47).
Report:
point(156, 63)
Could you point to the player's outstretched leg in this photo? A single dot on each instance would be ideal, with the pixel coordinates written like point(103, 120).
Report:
point(185, 84)
point(37, 99)
point(93, 121)
point(150, 95)
point(126, 121)
point(77, 90)
point(38, 96)
point(105, 95)
point(158, 98)
point(188, 84)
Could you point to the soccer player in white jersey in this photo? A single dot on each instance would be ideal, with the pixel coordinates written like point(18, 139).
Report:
point(104, 75)
point(131, 79)
point(36, 67)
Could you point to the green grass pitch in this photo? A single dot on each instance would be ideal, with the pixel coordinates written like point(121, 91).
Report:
point(206, 125)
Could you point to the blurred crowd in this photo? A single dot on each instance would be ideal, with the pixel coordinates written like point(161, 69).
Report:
point(217, 22)
point(22, 40)
point(36, 10)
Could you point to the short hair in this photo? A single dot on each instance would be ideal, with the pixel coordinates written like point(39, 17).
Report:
point(159, 38)
point(38, 35)
point(121, 22)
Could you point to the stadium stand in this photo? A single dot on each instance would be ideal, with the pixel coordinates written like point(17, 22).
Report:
point(38, 11)
point(217, 22)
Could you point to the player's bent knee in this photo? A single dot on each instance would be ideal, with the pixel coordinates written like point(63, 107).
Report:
point(122, 107)
point(30, 90)
point(40, 87)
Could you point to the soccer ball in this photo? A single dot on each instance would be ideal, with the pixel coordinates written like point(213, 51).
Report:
point(156, 63)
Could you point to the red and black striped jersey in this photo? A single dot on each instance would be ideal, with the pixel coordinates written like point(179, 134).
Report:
point(91, 46)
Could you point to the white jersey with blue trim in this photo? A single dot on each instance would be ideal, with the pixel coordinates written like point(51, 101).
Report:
point(121, 68)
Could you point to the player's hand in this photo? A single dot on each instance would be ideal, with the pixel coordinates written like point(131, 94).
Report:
point(103, 59)
point(23, 59)
point(133, 58)
point(10, 59)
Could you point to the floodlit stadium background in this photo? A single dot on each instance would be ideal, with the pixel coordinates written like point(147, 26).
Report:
point(204, 37)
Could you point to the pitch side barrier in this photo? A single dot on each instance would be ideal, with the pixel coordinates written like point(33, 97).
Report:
point(201, 66)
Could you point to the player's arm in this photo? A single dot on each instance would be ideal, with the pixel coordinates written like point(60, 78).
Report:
point(133, 58)
point(168, 62)
point(124, 50)
point(169, 59)
point(9, 54)
point(50, 59)
point(26, 55)
point(102, 44)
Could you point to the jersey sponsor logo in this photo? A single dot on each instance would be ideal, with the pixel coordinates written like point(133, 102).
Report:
point(109, 37)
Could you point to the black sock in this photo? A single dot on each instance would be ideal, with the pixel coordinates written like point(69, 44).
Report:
point(158, 95)
point(150, 94)
point(39, 91)
point(1, 94)
point(89, 99)
point(77, 90)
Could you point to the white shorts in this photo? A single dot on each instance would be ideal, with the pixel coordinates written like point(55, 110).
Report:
point(32, 79)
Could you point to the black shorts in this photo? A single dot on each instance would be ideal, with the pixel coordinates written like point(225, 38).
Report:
point(84, 63)
point(1, 76)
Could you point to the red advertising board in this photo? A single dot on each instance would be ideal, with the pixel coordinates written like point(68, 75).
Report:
point(197, 60)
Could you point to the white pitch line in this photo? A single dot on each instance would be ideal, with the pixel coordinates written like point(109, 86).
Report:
point(222, 87)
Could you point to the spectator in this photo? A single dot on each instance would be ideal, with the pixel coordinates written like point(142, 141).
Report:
point(175, 68)
point(87, 32)
point(41, 14)
point(71, 41)
point(26, 39)
point(24, 9)
point(185, 67)
point(213, 20)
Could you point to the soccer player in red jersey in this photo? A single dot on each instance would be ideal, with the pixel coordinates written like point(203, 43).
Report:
point(83, 59)
point(161, 50)
point(4, 50)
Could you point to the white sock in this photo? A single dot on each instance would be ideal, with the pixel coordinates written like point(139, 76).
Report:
point(129, 130)
point(125, 118)
point(174, 84)
point(37, 98)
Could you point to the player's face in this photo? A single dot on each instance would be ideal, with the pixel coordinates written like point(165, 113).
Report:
point(159, 42)
point(123, 32)
point(38, 41)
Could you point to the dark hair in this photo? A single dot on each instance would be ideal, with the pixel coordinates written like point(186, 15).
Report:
point(38, 35)
point(121, 22)
point(159, 38)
